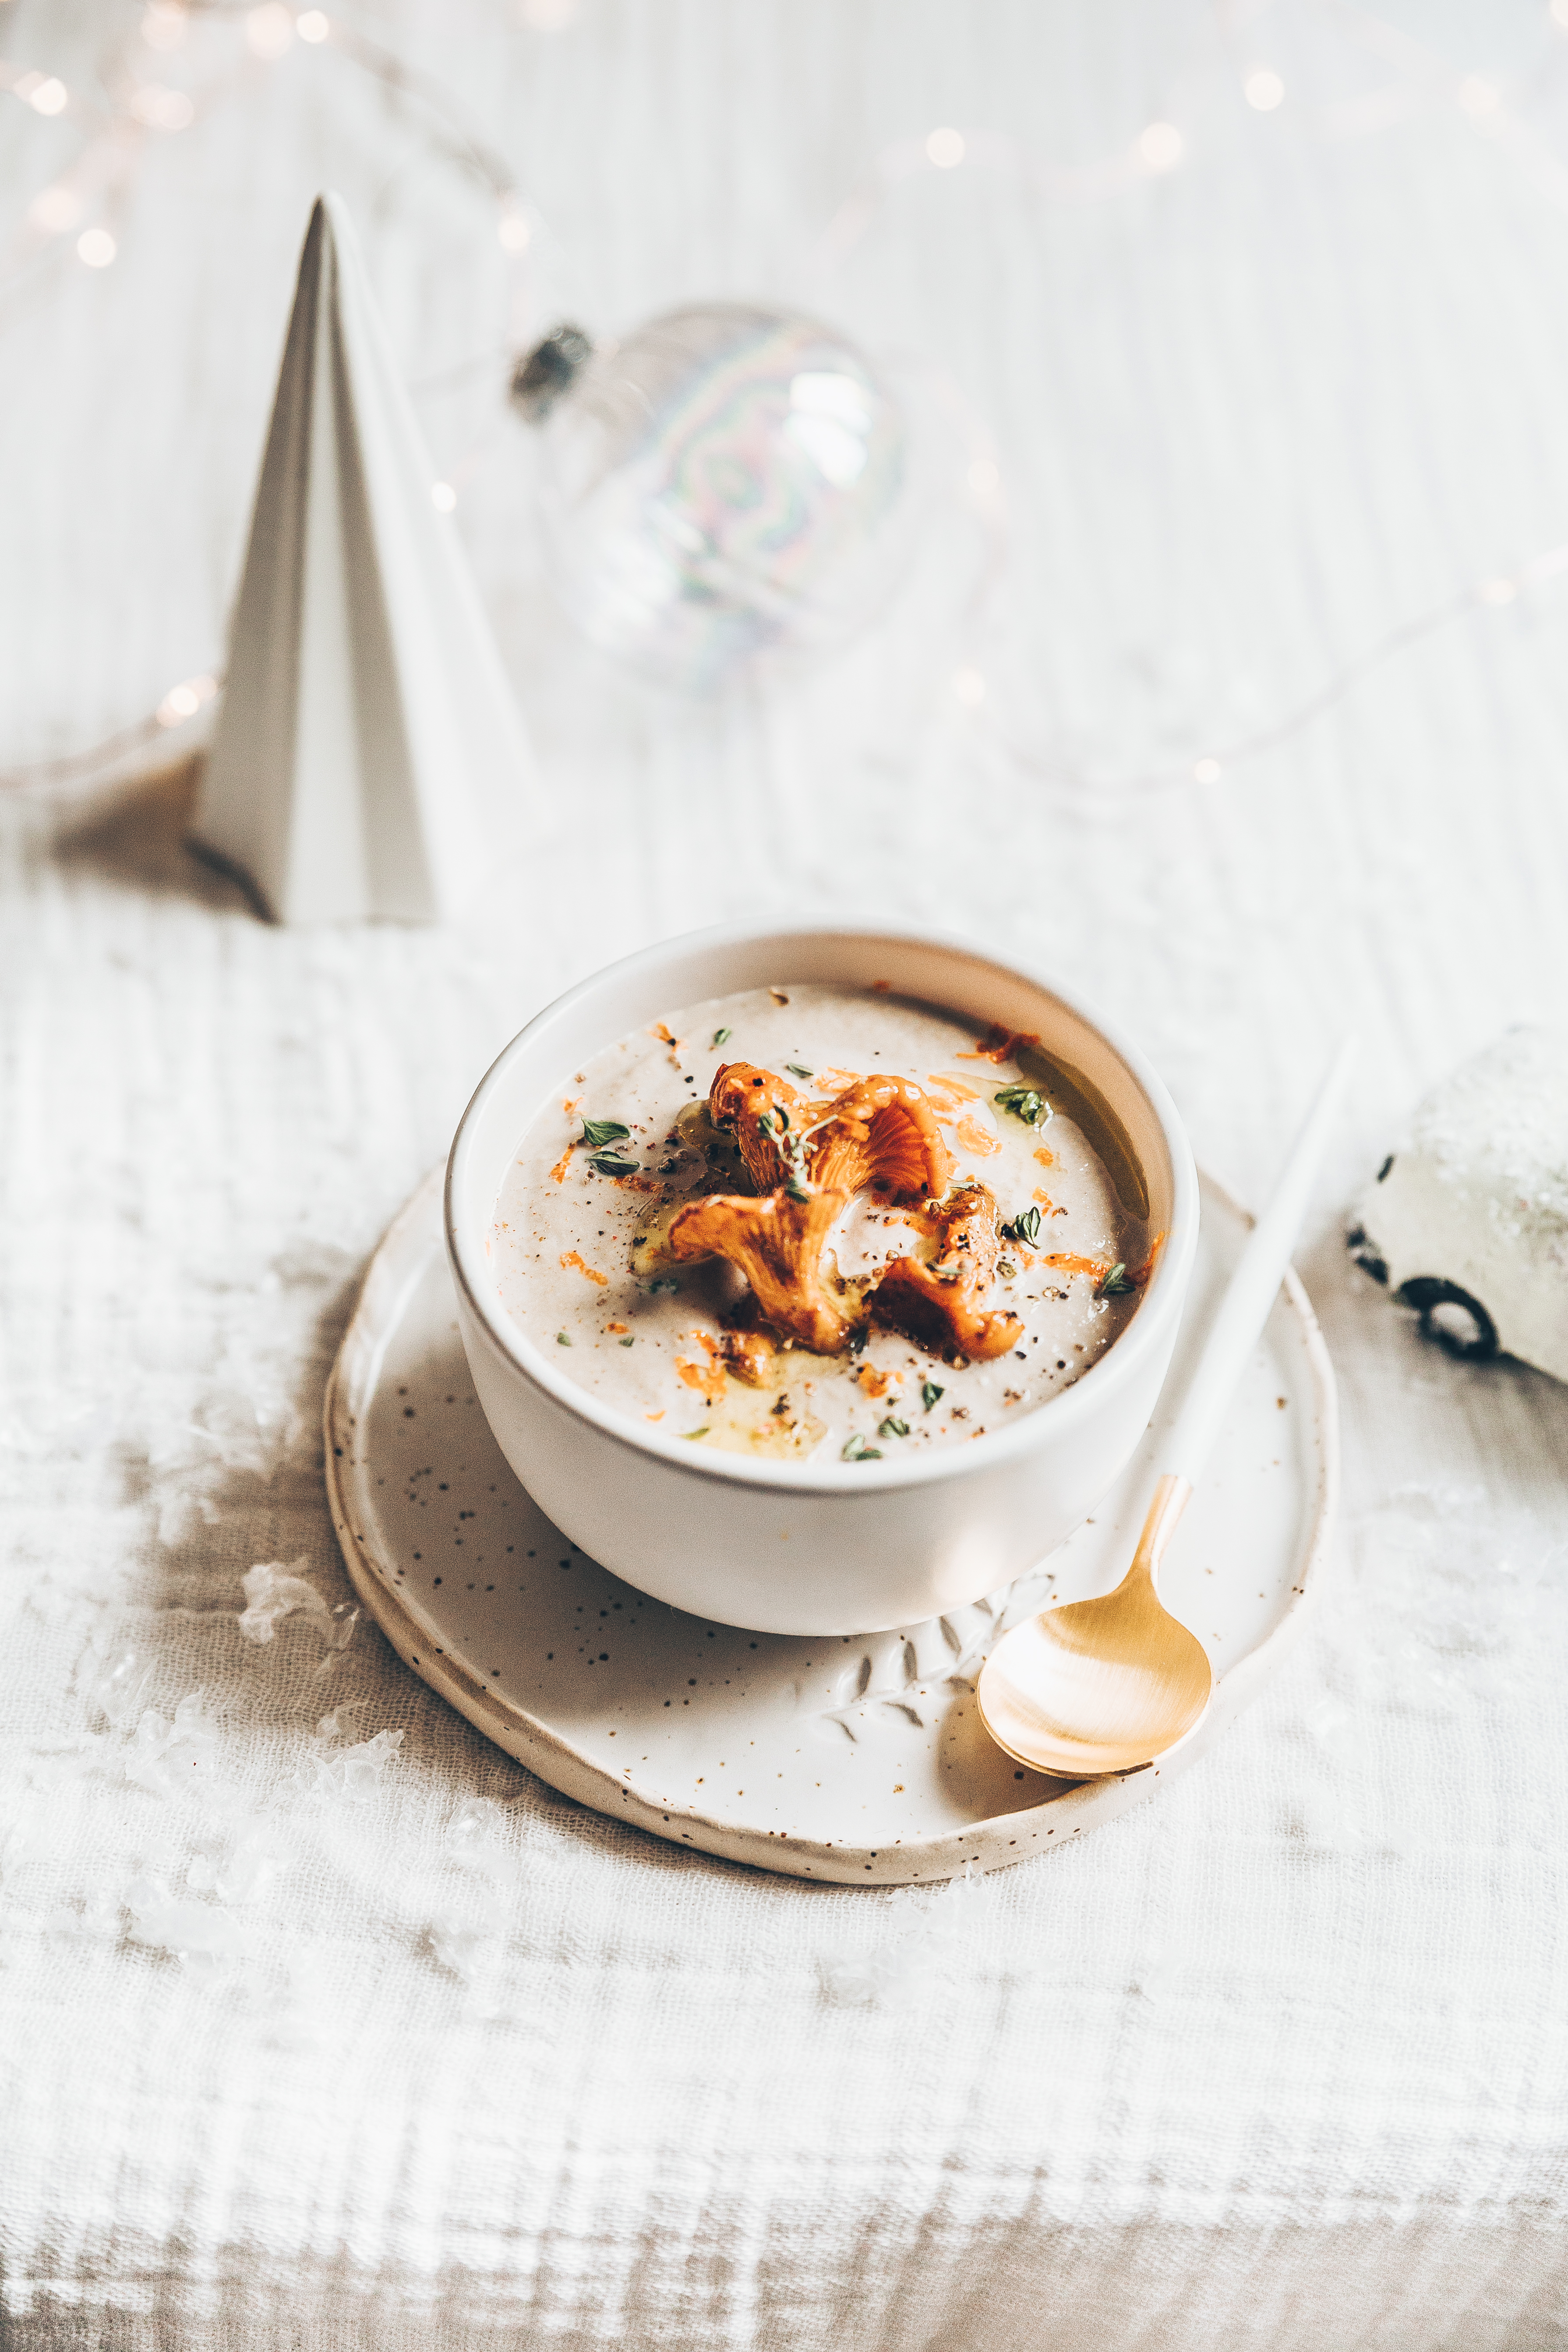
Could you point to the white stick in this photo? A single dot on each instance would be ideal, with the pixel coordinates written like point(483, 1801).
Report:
point(1260, 1270)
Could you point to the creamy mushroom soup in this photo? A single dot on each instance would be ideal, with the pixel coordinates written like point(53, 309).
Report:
point(812, 1222)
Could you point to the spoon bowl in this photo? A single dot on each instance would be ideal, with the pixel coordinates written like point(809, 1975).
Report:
point(1096, 1686)
point(1092, 1687)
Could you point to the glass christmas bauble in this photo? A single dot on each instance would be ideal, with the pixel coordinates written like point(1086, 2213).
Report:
point(724, 483)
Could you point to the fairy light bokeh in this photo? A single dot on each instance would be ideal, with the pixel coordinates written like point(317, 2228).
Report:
point(132, 101)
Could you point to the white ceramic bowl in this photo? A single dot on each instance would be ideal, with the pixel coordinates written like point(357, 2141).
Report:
point(818, 1546)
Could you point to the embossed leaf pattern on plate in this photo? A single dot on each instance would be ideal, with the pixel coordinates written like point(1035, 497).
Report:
point(908, 1677)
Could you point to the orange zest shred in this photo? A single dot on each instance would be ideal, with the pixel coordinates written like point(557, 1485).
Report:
point(1046, 1158)
point(615, 1327)
point(837, 1081)
point(998, 1043)
point(946, 1085)
point(977, 1138)
point(570, 1257)
point(873, 1382)
point(655, 1416)
point(569, 1103)
point(709, 1380)
point(557, 1173)
point(1070, 1264)
point(1047, 1203)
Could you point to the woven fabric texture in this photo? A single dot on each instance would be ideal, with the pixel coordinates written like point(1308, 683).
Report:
point(1277, 2064)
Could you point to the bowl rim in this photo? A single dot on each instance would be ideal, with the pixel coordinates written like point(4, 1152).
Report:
point(1053, 1419)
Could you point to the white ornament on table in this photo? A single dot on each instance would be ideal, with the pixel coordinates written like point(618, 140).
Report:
point(369, 760)
point(1468, 1221)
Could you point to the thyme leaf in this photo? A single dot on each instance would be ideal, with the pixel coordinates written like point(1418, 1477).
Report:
point(600, 1131)
point(561, 1339)
point(609, 1163)
point(857, 1450)
point(893, 1427)
point(1024, 1228)
point(690, 1434)
point(722, 1037)
point(1024, 1102)
point(1114, 1284)
point(799, 1070)
point(929, 1394)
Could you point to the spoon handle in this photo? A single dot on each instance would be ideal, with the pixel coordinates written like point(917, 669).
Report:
point(1244, 1309)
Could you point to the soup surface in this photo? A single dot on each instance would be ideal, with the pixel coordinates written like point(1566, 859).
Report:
point(808, 1220)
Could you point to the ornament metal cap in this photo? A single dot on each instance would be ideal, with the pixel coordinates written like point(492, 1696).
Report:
point(549, 369)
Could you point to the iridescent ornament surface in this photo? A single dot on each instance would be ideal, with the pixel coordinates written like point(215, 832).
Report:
point(726, 482)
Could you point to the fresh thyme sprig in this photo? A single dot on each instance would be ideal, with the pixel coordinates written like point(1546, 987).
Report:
point(1024, 1102)
point(795, 1183)
point(1024, 1228)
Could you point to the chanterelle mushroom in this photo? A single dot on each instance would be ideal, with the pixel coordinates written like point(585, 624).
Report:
point(938, 1304)
point(764, 1114)
point(777, 1244)
point(881, 1132)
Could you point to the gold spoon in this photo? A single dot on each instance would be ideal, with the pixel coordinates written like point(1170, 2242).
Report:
point(1097, 1686)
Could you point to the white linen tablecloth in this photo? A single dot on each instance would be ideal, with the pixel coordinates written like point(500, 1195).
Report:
point(1279, 2062)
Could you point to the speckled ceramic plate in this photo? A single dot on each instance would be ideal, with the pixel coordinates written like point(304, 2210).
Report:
point(857, 1759)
